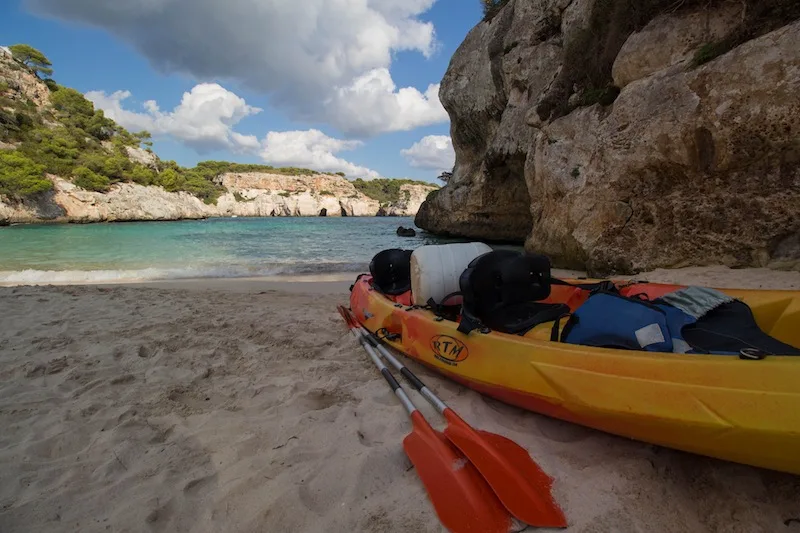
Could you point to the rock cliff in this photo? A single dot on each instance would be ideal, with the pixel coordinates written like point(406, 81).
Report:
point(621, 136)
point(249, 195)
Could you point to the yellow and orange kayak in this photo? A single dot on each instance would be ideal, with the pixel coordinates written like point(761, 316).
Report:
point(747, 411)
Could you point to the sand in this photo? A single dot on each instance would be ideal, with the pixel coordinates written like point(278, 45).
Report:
point(214, 406)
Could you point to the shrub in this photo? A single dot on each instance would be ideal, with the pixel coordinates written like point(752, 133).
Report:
point(384, 190)
point(55, 148)
point(72, 104)
point(492, 8)
point(327, 193)
point(285, 194)
point(604, 96)
point(142, 175)
point(23, 120)
point(116, 167)
point(33, 58)
point(20, 176)
point(240, 198)
point(89, 180)
point(708, 52)
point(170, 180)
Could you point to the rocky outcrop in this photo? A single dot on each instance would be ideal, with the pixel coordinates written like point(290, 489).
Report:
point(22, 84)
point(143, 157)
point(258, 194)
point(688, 156)
point(411, 198)
point(249, 195)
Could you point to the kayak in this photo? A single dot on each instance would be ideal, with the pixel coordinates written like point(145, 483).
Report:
point(732, 408)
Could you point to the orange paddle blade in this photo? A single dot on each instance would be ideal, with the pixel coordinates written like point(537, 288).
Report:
point(459, 494)
point(520, 484)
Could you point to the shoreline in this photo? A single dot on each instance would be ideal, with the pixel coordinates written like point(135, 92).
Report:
point(8, 223)
point(203, 283)
point(718, 276)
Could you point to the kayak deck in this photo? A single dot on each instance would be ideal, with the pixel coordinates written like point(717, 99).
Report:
point(720, 406)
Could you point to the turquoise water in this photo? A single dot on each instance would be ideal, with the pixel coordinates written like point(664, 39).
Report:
point(224, 247)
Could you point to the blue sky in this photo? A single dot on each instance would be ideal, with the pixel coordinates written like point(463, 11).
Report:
point(340, 80)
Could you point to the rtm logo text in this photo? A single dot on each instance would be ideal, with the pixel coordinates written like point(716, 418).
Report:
point(449, 350)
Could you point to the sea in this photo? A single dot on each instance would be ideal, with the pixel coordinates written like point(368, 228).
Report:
point(311, 248)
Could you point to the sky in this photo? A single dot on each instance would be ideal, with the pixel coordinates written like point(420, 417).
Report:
point(333, 85)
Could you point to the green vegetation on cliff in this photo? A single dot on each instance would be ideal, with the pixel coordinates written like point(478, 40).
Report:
point(386, 190)
point(21, 177)
point(491, 8)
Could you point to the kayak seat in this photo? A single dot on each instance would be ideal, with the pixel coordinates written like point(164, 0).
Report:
point(503, 291)
point(391, 271)
point(731, 327)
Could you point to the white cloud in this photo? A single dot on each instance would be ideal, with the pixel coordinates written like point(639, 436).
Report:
point(434, 152)
point(204, 120)
point(319, 59)
point(311, 149)
point(373, 104)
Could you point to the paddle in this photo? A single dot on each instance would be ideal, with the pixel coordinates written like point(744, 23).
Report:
point(522, 486)
point(460, 496)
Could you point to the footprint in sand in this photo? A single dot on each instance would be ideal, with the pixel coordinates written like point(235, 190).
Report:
point(123, 380)
point(194, 487)
point(158, 519)
point(35, 371)
point(319, 399)
point(385, 397)
point(367, 437)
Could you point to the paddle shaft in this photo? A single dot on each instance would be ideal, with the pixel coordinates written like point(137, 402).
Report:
point(387, 375)
point(408, 374)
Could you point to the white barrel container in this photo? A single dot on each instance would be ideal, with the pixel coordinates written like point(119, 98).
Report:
point(436, 268)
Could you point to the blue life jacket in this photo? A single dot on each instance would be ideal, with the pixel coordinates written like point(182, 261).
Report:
point(613, 321)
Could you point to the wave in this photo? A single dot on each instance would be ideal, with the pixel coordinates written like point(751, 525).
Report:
point(31, 276)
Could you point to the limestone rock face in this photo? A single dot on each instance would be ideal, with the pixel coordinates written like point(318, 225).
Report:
point(694, 167)
point(249, 195)
point(139, 155)
point(687, 163)
point(669, 41)
point(485, 92)
point(411, 197)
point(22, 83)
point(124, 202)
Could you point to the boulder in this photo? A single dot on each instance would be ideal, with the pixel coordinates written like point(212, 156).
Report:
point(406, 232)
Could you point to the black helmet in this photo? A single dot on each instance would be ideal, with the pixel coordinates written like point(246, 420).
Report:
point(391, 271)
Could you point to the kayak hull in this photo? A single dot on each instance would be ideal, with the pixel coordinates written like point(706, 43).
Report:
point(746, 411)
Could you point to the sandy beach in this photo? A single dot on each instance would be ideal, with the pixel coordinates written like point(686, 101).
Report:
point(246, 406)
